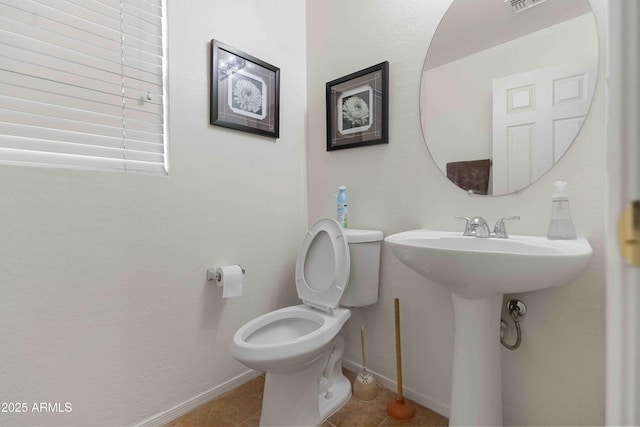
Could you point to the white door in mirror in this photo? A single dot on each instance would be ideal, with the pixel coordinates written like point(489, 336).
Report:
point(536, 116)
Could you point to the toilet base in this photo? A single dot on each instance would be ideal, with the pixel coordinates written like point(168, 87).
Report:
point(339, 394)
point(293, 407)
point(309, 396)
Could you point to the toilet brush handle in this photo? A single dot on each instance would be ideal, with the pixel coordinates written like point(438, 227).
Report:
point(364, 359)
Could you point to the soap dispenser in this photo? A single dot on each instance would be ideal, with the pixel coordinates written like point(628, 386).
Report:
point(560, 224)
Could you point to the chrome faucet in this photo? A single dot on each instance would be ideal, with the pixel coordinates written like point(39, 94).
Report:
point(479, 227)
point(476, 226)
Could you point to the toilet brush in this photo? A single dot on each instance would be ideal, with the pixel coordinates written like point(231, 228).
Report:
point(364, 386)
point(399, 408)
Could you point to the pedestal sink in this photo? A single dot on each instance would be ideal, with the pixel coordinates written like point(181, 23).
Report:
point(478, 271)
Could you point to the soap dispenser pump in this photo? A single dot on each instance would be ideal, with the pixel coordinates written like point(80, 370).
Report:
point(560, 224)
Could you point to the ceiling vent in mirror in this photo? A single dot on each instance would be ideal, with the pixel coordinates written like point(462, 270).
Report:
point(517, 6)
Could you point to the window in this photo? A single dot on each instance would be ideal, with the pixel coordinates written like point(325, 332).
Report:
point(82, 84)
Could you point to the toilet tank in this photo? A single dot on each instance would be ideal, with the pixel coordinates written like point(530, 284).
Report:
point(364, 250)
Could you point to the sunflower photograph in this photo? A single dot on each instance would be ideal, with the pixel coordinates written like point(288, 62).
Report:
point(355, 111)
point(246, 95)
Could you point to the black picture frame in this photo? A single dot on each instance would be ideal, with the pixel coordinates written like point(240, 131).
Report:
point(245, 91)
point(358, 108)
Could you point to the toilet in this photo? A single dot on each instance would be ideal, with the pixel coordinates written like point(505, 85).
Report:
point(299, 347)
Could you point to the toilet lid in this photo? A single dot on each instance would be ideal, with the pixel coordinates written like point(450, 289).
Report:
point(323, 264)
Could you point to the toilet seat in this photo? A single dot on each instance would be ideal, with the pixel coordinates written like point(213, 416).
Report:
point(323, 265)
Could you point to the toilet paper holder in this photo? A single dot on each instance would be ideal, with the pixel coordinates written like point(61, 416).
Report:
point(213, 275)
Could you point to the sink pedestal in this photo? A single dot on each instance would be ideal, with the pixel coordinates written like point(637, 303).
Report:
point(476, 389)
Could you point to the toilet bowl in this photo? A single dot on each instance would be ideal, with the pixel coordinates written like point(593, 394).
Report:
point(288, 339)
point(299, 347)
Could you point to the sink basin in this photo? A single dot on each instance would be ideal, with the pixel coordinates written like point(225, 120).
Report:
point(478, 272)
point(476, 268)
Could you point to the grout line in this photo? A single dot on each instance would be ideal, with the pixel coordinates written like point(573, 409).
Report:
point(245, 421)
point(383, 420)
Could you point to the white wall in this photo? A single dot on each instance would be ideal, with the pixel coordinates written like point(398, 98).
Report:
point(104, 299)
point(557, 375)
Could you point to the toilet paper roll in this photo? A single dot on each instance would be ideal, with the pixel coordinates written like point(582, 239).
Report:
point(230, 280)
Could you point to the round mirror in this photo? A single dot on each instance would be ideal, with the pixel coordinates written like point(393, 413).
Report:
point(505, 88)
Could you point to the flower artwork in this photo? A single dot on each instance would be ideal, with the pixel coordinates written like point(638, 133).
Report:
point(246, 95)
point(355, 111)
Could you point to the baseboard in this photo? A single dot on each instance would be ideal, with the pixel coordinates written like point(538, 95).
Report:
point(389, 384)
point(190, 404)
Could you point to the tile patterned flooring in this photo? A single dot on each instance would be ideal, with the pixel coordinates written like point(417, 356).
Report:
point(241, 406)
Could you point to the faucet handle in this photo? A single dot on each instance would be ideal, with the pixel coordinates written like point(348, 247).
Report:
point(467, 225)
point(500, 230)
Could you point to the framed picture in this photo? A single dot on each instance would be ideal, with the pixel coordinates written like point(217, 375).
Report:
point(358, 109)
point(245, 91)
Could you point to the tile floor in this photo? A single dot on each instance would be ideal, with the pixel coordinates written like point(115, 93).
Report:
point(240, 407)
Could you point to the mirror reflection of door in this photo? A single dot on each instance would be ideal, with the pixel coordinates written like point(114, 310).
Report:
point(478, 42)
point(536, 116)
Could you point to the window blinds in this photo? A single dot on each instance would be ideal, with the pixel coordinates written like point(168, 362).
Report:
point(82, 84)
